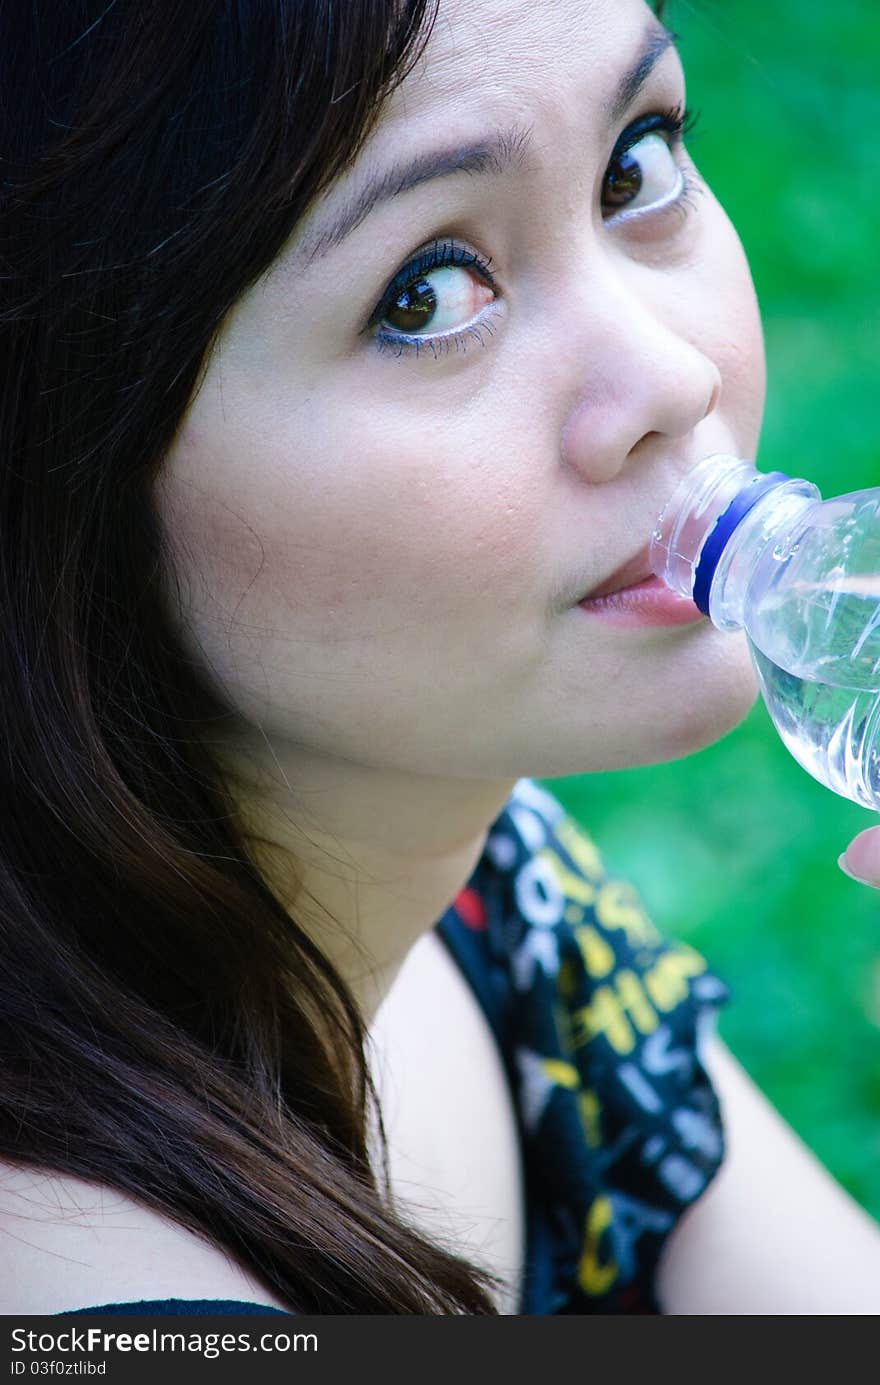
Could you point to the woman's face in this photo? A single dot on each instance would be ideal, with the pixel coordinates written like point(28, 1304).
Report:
point(407, 464)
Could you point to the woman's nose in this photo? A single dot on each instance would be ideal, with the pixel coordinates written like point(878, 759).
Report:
point(641, 379)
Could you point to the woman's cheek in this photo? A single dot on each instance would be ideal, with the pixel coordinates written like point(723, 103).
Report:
point(739, 340)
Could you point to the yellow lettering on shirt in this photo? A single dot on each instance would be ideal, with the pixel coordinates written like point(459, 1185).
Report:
point(579, 847)
point(562, 1073)
point(597, 952)
point(591, 1113)
point(604, 1015)
point(618, 1011)
point(667, 981)
point(635, 1002)
point(593, 1276)
point(574, 887)
point(618, 906)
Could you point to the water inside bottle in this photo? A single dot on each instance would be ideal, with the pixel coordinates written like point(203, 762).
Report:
point(830, 730)
point(826, 631)
point(814, 635)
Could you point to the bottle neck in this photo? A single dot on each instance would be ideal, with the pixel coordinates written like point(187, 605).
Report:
point(769, 522)
point(723, 506)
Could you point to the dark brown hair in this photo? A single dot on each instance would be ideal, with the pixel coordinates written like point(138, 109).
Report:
point(166, 1028)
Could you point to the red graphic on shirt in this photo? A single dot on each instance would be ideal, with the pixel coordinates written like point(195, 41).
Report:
point(470, 909)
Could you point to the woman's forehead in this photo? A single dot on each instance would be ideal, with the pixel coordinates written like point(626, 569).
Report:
point(499, 84)
point(499, 49)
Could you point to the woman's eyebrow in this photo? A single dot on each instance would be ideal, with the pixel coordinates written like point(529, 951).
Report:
point(504, 152)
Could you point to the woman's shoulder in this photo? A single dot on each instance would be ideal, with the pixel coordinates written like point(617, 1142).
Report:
point(67, 1242)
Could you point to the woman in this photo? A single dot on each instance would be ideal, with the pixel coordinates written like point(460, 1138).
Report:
point(352, 347)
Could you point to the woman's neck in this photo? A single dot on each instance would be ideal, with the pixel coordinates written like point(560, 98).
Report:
point(365, 860)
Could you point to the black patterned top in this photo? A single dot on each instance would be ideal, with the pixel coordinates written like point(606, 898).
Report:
point(598, 1019)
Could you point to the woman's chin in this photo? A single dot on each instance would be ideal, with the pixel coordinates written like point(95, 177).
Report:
point(666, 724)
point(708, 713)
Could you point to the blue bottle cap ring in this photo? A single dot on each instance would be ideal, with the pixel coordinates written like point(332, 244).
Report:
point(725, 524)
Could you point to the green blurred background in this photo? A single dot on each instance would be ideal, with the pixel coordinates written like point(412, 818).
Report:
point(734, 849)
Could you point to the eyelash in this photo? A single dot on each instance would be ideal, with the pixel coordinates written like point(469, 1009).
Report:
point(678, 122)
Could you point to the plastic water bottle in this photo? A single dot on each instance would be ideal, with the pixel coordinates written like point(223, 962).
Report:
point(801, 576)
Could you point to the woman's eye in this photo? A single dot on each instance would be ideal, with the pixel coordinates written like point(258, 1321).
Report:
point(439, 300)
point(644, 175)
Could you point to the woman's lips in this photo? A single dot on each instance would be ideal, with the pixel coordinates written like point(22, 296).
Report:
point(646, 602)
point(636, 569)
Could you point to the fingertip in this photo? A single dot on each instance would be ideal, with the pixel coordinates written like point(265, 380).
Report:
point(861, 860)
